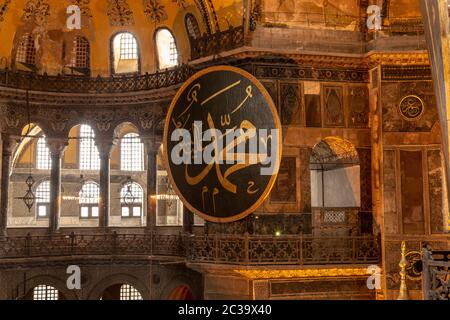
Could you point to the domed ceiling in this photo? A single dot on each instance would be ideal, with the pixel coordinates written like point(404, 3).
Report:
point(46, 20)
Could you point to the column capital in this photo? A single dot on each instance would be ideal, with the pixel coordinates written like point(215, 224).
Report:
point(105, 145)
point(152, 143)
point(56, 145)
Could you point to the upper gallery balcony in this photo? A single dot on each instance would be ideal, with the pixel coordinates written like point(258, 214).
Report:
point(215, 249)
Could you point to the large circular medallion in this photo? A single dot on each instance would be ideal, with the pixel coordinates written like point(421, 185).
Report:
point(411, 107)
point(222, 143)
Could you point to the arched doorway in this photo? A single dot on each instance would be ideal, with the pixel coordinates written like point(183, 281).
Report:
point(335, 187)
point(181, 292)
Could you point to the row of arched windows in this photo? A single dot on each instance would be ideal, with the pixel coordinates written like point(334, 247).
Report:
point(131, 152)
point(131, 159)
point(131, 199)
point(169, 208)
point(46, 292)
point(124, 50)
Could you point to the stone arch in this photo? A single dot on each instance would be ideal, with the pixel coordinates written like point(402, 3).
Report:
point(335, 165)
point(115, 279)
point(32, 129)
point(178, 287)
point(50, 280)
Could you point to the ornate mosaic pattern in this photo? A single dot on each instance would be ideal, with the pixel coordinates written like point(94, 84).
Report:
point(3, 9)
point(39, 10)
point(180, 3)
point(84, 7)
point(155, 11)
point(119, 13)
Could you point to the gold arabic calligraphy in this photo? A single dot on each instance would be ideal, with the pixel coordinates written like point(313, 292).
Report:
point(220, 153)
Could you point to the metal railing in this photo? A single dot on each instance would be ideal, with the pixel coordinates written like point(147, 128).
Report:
point(269, 250)
point(91, 244)
point(76, 84)
point(220, 249)
point(212, 44)
point(435, 274)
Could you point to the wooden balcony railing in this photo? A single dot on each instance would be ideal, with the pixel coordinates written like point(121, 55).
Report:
point(220, 249)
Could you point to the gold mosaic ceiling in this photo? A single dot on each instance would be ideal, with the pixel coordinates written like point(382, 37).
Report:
point(46, 20)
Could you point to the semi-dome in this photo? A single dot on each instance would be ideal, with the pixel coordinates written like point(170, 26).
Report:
point(35, 35)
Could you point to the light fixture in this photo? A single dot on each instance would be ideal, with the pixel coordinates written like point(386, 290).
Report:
point(129, 198)
point(29, 198)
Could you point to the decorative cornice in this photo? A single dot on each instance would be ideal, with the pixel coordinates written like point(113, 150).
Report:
point(254, 274)
point(304, 59)
point(57, 121)
point(398, 58)
point(405, 73)
point(318, 59)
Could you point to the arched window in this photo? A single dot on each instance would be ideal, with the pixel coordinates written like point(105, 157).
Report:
point(26, 52)
point(166, 48)
point(128, 292)
point(131, 153)
point(89, 157)
point(43, 160)
point(89, 195)
point(128, 47)
point(131, 198)
point(125, 53)
point(80, 53)
point(44, 292)
point(43, 199)
point(192, 26)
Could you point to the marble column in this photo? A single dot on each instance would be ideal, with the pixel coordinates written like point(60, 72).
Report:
point(152, 145)
point(188, 220)
point(104, 146)
point(8, 145)
point(56, 147)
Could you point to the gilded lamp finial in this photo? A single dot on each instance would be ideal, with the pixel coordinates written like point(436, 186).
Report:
point(403, 294)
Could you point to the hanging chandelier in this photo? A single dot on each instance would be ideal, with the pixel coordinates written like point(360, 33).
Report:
point(29, 198)
point(128, 197)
